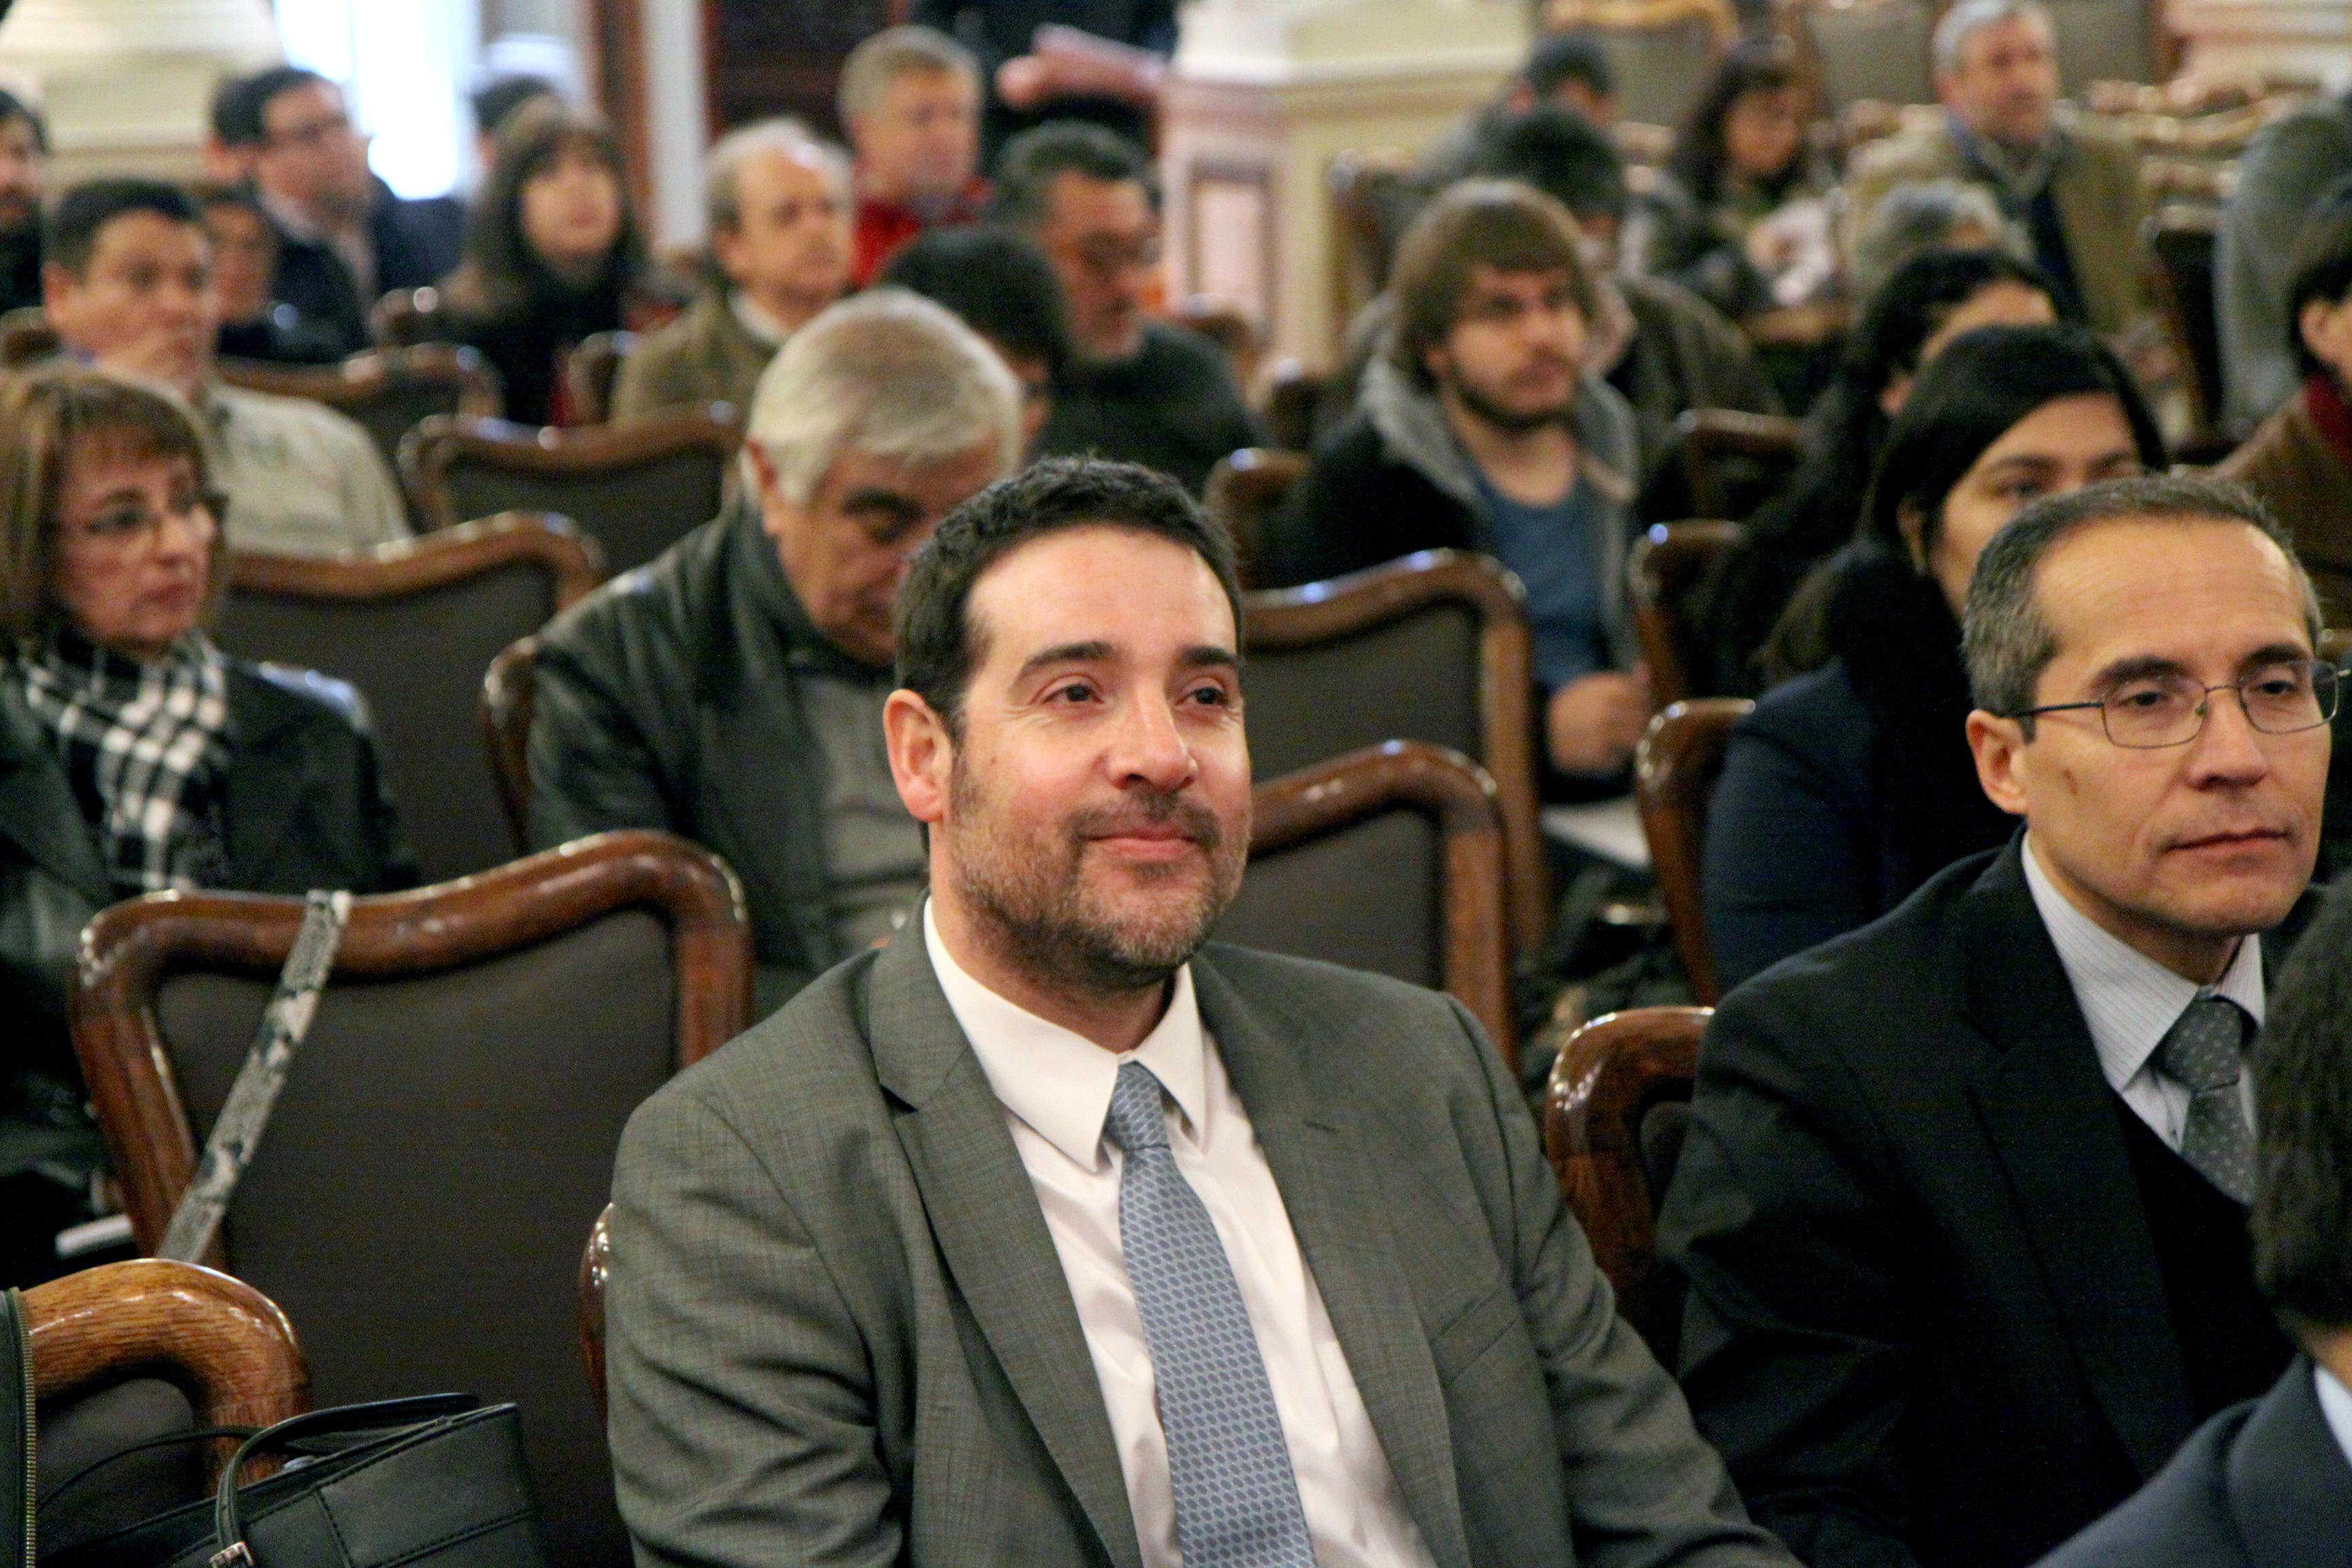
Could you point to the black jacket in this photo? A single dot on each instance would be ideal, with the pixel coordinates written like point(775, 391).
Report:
point(2262, 1485)
point(416, 244)
point(1927, 1321)
point(1172, 407)
point(670, 699)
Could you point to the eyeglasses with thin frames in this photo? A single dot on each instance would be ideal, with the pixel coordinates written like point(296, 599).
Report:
point(2149, 712)
point(131, 527)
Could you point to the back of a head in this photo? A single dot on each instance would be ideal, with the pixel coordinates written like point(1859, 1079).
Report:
point(1896, 321)
point(1560, 153)
point(1924, 215)
point(2319, 272)
point(997, 281)
point(891, 54)
point(2302, 1213)
point(1500, 224)
point(14, 108)
point(241, 103)
point(70, 234)
point(1558, 59)
point(1030, 164)
point(887, 374)
point(500, 96)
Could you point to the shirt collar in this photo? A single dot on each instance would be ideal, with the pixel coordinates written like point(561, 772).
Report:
point(2335, 1404)
point(1059, 1083)
point(2129, 1001)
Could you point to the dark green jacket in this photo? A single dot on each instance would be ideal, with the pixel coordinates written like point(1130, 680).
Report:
point(670, 698)
point(304, 807)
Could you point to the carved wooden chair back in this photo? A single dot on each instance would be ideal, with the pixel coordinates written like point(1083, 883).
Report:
point(1668, 567)
point(27, 338)
point(507, 690)
point(1246, 489)
point(412, 626)
point(2182, 243)
point(1674, 774)
point(450, 1122)
point(589, 371)
point(1294, 394)
point(389, 392)
point(1734, 461)
point(405, 317)
point(1373, 193)
point(1614, 1114)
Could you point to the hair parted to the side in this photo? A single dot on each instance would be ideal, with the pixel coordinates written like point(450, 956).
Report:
point(888, 374)
point(70, 234)
point(57, 415)
point(894, 52)
point(241, 104)
point(1500, 223)
point(2301, 1223)
point(938, 647)
point(2004, 638)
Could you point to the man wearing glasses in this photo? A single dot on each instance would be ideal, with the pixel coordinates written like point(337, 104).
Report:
point(1962, 1207)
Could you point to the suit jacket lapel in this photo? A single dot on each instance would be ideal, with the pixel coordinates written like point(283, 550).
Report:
point(2290, 1489)
point(1332, 1204)
point(37, 809)
point(2050, 1118)
point(990, 1232)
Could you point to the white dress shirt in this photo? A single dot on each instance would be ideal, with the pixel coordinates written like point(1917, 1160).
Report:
point(2335, 1404)
point(1055, 1087)
point(2131, 1002)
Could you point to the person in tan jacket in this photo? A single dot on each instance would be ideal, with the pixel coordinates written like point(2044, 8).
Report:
point(2299, 461)
point(2073, 188)
point(779, 242)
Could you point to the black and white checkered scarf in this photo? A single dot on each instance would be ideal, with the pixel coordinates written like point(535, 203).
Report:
point(146, 747)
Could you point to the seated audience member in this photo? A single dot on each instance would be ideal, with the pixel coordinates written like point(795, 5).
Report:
point(495, 102)
point(1013, 1243)
point(245, 267)
point(553, 255)
point(1931, 299)
point(1565, 71)
point(778, 205)
point(2268, 1484)
point(1480, 430)
point(2073, 186)
point(909, 102)
point(24, 172)
point(1852, 784)
point(1141, 390)
point(135, 756)
point(1738, 216)
point(1933, 215)
point(128, 288)
point(1961, 1209)
point(2294, 165)
point(345, 239)
point(731, 691)
point(1002, 287)
point(2300, 461)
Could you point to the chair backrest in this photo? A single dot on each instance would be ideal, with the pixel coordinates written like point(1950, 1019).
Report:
point(2181, 244)
point(1733, 461)
point(1294, 394)
point(389, 392)
point(1434, 648)
point(1230, 326)
point(590, 369)
point(1661, 51)
point(1667, 567)
point(1244, 490)
point(1674, 773)
point(414, 626)
point(27, 338)
point(1390, 860)
point(405, 317)
point(1374, 194)
point(1614, 1111)
point(1869, 50)
point(449, 1124)
point(507, 690)
point(635, 489)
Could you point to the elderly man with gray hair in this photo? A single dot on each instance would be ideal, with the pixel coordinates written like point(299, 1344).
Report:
point(778, 203)
point(731, 691)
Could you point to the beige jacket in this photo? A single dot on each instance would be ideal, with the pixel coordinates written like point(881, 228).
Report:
point(705, 355)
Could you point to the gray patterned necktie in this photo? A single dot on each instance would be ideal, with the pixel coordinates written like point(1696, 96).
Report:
point(1236, 1499)
point(2204, 1051)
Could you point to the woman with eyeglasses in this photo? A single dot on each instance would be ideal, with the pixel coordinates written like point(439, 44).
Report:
point(1853, 783)
point(135, 757)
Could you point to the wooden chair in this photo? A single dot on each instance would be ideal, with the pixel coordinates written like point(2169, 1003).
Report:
point(1294, 394)
point(635, 489)
point(590, 371)
point(1734, 461)
point(1866, 50)
point(1231, 328)
point(1668, 565)
point(1246, 489)
point(1662, 50)
point(27, 338)
point(2181, 244)
point(412, 626)
point(389, 392)
point(508, 689)
point(449, 1124)
point(1675, 772)
point(406, 318)
point(1389, 858)
point(128, 1352)
point(1434, 648)
point(1614, 1113)
point(1373, 193)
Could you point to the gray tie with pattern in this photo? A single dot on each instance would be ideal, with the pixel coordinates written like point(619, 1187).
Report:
point(1236, 1499)
point(2205, 1051)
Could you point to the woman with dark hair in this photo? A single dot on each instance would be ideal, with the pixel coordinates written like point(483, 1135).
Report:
point(1738, 215)
point(1930, 300)
point(553, 255)
point(1850, 785)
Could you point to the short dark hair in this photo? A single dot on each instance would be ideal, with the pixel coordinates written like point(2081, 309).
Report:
point(997, 280)
point(1560, 153)
point(1500, 223)
point(242, 102)
point(2319, 270)
point(70, 234)
point(1027, 167)
point(1563, 57)
point(2303, 1148)
point(2004, 636)
point(937, 650)
point(501, 96)
point(14, 108)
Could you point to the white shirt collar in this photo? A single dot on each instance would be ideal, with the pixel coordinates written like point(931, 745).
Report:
point(1057, 1082)
point(2128, 1000)
point(2335, 1404)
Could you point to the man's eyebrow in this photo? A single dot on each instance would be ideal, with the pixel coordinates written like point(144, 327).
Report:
point(1208, 655)
point(1063, 653)
point(2138, 667)
point(2274, 652)
point(2021, 460)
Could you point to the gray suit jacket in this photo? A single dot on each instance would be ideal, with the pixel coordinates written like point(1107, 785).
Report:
point(839, 1331)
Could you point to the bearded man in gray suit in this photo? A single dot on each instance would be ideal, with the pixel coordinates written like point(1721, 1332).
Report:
point(1048, 1236)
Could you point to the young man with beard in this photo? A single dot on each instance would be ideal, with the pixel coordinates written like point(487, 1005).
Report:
point(1481, 429)
point(1049, 1235)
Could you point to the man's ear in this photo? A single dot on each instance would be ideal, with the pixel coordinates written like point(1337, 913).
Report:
point(2002, 769)
point(923, 755)
point(1914, 533)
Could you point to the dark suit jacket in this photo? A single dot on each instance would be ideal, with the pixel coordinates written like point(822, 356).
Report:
point(840, 1333)
point(416, 244)
point(1926, 1321)
point(2262, 1485)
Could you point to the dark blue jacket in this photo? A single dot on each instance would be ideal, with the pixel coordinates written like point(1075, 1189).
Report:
point(416, 242)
